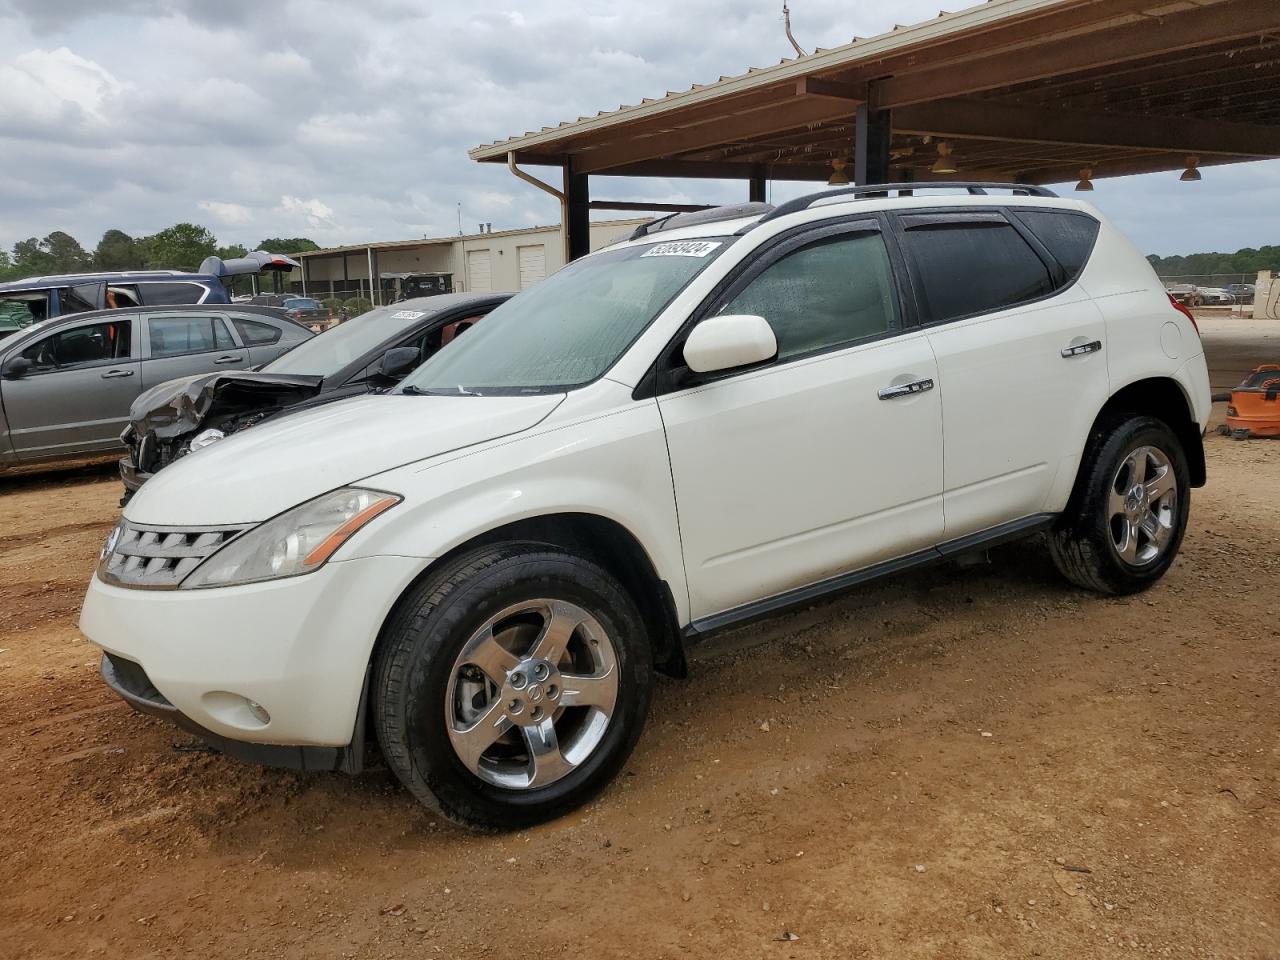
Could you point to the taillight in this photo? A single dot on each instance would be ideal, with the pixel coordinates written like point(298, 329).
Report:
point(1182, 309)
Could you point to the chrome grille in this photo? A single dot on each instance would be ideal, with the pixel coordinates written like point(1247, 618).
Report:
point(159, 557)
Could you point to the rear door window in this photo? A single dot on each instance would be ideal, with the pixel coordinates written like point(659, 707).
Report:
point(81, 346)
point(967, 264)
point(164, 294)
point(255, 334)
point(178, 335)
point(1068, 236)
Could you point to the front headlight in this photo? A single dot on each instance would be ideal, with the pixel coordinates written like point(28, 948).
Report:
point(296, 542)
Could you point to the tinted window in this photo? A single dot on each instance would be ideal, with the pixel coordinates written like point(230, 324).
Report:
point(256, 334)
point(965, 267)
point(81, 346)
point(72, 300)
point(301, 303)
point(1068, 236)
point(831, 292)
point(163, 294)
point(173, 336)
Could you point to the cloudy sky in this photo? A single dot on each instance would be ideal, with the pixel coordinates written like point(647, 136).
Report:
point(348, 122)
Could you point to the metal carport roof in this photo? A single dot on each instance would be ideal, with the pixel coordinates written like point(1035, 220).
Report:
point(1027, 90)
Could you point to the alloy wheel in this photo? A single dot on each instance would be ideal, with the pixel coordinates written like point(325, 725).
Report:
point(1142, 506)
point(531, 694)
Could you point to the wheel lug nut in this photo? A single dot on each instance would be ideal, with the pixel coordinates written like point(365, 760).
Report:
point(536, 714)
point(540, 671)
point(518, 680)
point(515, 706)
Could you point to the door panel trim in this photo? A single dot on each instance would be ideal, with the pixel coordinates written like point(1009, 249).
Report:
point(802, 596)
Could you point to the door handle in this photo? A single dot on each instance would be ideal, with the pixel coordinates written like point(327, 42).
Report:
point(905, 389)
point(116, 374)
point(228, 359)
point(1093, 346)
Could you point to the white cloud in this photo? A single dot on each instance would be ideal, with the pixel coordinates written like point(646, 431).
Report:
point(46, 86)
point(232, 214)
point(316, 213)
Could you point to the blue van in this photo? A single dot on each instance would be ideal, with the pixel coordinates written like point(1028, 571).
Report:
point(24, 302)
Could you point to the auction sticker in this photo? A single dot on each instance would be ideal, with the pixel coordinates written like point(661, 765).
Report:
point(682, 248)
point(408, 314)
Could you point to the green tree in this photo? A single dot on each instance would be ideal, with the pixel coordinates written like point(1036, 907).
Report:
point(231, 251)
point(287, 245)
point(7, 270)
point(67, 254)
point(1247, 261)
point(180, 247)
point(117, 251)
point(30, 258)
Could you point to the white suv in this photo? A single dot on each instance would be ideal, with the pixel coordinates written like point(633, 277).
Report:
point(730, 413)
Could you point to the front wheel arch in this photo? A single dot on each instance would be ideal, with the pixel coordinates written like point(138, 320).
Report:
point(603, 540)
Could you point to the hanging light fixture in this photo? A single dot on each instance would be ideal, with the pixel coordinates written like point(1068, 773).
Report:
point(1086, 180)
point(1191, 174)
point(838, 177)
point(944, 164)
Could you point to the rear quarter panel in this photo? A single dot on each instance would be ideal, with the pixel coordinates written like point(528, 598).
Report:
point(1146, 336)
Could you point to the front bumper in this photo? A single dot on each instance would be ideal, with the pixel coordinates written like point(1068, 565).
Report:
point(298, 647)
point(131, 683)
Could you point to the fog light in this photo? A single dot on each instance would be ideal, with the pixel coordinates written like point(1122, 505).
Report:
point(235, 710)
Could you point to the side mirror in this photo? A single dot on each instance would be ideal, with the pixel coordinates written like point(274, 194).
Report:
point(727, 342)
point(17, 367)
point(398, 361)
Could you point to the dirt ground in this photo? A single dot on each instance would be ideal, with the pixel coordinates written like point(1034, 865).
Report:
point(964, 762)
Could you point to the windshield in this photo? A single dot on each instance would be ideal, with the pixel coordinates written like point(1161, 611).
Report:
point(327, 353)
point(569, 329)
point(301, 303)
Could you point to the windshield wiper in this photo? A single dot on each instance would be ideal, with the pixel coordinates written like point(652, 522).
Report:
point(458, 391)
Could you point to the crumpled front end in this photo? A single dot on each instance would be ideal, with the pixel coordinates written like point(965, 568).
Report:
point(165, 420)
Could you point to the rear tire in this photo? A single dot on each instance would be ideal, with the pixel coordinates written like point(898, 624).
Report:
point(1126, 517)
point(512, 685)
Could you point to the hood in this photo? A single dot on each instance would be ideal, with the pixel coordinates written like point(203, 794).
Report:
point(259, 261)
point(176, 407)
point(256, 474)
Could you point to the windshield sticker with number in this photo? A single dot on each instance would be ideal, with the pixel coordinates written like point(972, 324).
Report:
point(682, 248)
point(408, 314)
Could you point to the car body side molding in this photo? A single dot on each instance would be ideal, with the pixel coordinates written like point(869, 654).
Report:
point(1002, 533)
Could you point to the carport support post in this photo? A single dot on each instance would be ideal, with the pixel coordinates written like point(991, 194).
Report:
point(757, 184)
point(873, 130)
point(577, 199)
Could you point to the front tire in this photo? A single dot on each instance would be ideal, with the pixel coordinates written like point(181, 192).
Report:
point(1124, 523)
point(512, 685)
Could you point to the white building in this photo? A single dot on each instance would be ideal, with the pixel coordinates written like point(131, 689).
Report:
point(501, 260)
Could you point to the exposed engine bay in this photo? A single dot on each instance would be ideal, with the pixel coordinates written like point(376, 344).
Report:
point(170, 420)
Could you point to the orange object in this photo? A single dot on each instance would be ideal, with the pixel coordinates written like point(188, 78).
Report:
point(1254, 410)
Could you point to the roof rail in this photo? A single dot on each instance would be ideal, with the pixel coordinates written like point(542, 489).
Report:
point(876, 189)
point(712, 215)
